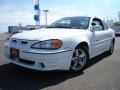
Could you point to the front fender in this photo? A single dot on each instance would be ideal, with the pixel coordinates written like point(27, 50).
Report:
point(72, 43)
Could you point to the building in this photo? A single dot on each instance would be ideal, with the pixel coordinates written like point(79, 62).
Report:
point(17, 29)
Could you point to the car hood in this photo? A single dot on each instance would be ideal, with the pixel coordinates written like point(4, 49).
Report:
point(44, 34)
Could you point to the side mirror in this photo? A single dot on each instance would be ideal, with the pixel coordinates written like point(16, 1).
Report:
point(96, 28)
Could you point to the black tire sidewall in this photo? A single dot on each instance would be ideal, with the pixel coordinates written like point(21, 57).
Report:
point(109, 52)
point(87, 54)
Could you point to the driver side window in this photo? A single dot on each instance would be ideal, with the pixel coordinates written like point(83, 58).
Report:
point(97, 22)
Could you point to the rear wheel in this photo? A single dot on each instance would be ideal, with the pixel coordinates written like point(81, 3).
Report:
point(110, 52)
point(79, 59)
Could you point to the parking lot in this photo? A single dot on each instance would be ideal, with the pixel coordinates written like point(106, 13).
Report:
point(101, 73)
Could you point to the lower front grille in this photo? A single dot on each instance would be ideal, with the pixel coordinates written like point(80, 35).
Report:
point(27, 62)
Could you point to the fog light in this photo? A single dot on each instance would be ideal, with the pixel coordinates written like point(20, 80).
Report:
point(41, 64)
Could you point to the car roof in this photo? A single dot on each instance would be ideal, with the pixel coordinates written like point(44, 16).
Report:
point(82, 16)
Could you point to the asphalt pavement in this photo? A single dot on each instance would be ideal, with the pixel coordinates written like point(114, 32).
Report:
point(101, 73)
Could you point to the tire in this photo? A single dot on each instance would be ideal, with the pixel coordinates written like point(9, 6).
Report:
point(110, 51)
point(79, 59)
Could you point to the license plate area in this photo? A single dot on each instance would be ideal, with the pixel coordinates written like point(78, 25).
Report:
point(14, 53)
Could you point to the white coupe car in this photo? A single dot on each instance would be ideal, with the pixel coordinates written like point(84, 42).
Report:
point(67, 44)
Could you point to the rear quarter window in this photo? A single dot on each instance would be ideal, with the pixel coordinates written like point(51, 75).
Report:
point(105, 25)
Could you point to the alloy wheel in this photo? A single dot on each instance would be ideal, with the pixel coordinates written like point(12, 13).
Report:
point(79, 59)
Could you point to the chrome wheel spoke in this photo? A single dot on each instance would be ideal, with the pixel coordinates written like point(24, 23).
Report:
point(81, 63)
point(75, 64)
point(74, 58)
point(77, 53)
point(82, 55)
point(79, 59)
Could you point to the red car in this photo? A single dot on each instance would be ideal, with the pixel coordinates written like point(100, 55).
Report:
point(117, 34)
point(117, 30)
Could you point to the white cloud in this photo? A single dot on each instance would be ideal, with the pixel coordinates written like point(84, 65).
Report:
point(18, 16)
point(27, 17)
point(64, 11)
point(15, 17)
point(101, 8)
point(107, 1)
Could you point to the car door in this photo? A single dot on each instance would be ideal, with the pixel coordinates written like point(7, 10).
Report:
point(99, 36)
point(108, 37)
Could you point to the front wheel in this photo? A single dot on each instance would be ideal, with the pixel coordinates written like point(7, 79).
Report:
point(79, 59)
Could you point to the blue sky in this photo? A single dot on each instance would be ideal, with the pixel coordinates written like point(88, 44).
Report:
point(13, 12)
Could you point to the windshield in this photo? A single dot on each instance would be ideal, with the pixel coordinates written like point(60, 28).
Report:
point(71, 22)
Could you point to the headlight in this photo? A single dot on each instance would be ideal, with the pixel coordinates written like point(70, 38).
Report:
point(48, 44)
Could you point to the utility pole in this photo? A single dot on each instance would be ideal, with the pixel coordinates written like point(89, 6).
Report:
point(119, 16)
point(46, 18)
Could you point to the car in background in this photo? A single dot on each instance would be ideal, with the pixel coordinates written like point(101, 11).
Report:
point(117, 34)
point(66, 44)
point(28, 29)
point(117, 30)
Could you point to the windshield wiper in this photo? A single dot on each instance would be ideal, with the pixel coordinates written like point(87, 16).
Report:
point(75, 28)
point(64, 27)
point(50, 27)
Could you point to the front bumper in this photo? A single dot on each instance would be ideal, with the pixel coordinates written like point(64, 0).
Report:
point(42, 61)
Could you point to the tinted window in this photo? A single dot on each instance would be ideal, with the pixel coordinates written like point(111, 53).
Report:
point(97, 21)
point(71, 22)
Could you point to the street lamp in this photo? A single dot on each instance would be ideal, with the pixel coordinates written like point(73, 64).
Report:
point(46, 12)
